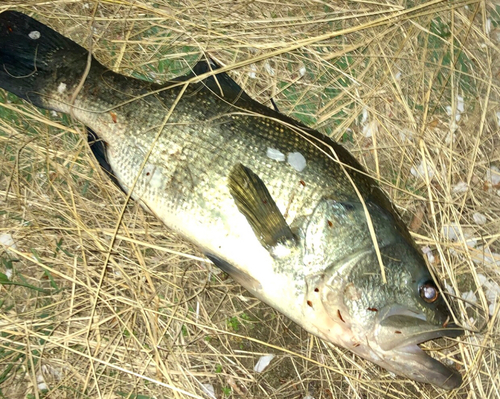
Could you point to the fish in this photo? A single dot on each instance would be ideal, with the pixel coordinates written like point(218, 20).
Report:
point(287, 212)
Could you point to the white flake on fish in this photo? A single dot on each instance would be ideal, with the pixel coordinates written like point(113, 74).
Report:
point(275, 154)
point(34, 35)
point(61, 88)
point(297, 161)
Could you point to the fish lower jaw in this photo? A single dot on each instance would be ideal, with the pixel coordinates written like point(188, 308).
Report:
point(408, 361)
point(411, 362)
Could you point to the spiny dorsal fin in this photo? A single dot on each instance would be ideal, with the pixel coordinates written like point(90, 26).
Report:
point(255, 202)
point(231, 90)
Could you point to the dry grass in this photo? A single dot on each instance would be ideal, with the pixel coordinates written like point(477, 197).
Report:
point(148, 317)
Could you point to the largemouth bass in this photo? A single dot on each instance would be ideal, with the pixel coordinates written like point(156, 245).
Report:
point(287, 212)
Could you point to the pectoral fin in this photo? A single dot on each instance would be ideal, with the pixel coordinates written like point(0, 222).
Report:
point(255, 202)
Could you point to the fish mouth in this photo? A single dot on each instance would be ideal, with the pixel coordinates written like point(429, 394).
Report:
point(399, 334)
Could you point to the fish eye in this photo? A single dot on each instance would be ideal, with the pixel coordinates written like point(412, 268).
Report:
point(429, 292)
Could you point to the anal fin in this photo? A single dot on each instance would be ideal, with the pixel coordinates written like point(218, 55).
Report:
point(98, 148)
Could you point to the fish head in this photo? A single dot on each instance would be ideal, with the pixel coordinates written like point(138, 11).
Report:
point(385, 322)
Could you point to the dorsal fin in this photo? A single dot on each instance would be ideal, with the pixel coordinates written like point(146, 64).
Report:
point(220, 83)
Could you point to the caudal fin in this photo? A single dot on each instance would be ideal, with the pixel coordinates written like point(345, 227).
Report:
point(35, 59)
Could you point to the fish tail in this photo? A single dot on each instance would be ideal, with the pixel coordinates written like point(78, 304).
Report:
point(36, 61)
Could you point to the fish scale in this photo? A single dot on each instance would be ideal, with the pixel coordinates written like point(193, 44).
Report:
point(195, 152)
